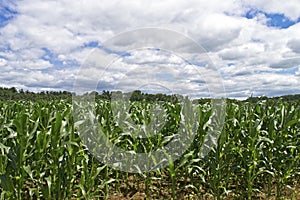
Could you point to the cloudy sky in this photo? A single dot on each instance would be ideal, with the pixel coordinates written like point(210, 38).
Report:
point(253, 47)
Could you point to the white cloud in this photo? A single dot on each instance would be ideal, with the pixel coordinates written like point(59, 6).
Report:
point(247, 50)
point(2, 62)
point(287, 63)
point(294, 44)
point(216, 30)
point(65, 27)
point(298, 72)
point(150, 67)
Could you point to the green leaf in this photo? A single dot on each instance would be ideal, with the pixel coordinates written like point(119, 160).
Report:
point(28, 171)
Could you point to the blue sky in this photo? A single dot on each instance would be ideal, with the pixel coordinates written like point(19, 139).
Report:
point(254, 45)
point(277, 20)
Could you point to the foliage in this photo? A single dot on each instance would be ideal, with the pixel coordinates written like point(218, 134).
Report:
point(258, 154)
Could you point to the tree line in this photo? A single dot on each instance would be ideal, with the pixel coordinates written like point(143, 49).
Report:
point(19, 94)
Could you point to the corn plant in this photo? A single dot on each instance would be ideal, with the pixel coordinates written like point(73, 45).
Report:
point(43, 155)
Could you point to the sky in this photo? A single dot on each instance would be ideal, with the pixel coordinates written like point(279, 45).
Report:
point(252, 47)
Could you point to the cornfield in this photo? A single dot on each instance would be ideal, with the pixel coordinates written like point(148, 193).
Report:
point(257, 155)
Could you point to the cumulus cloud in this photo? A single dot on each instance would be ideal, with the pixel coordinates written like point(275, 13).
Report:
point(148, 68)
point(287, 63)
point(43, 43)
point(294, 44)
point(2, 62)
point(298, 72)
